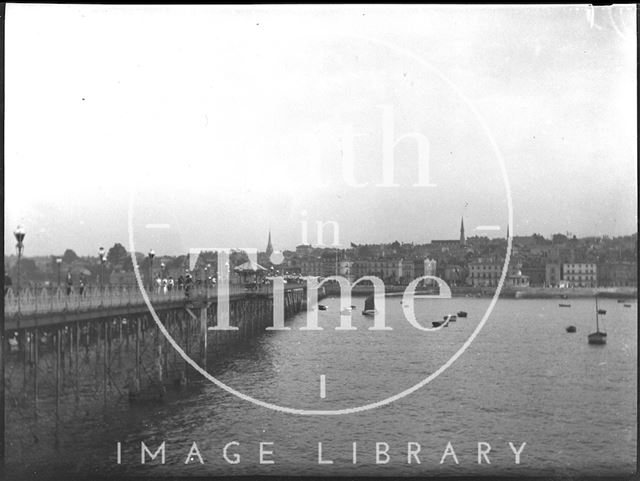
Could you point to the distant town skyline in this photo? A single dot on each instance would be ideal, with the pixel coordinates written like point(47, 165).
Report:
point(253, 118)
point(277, 248)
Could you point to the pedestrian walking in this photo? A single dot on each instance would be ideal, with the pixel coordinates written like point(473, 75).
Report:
point(69, 284)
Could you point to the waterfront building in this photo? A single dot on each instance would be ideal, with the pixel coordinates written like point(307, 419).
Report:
point(484, 272)
point(429, 267)
point(391, 271)
point(329, 266)
point(553, 274)
point(618, 274)
point(407, 271)
point(536, 274)
point(345, 269)
point(311, 266)
point(580, 274)
point(454, 274)
point(515, 277)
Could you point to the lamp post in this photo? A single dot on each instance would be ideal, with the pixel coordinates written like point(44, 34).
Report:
point(102, 258)
point(59, 263)
point(19, 234)
point(152, 254)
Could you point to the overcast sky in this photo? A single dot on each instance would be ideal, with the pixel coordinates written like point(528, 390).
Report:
point(226, 122)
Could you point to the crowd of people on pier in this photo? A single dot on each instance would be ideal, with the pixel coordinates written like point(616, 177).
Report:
point(161, 284)
point(164, 285)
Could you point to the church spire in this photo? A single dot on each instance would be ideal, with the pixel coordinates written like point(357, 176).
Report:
point(462, 238)
point(269, 250)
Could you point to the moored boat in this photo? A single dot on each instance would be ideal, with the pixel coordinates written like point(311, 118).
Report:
point(450, 318)
point(571, 328)
point(322, 307)
point(462, 314)
point(598, 337)
point(369, 306)
point(565, 305)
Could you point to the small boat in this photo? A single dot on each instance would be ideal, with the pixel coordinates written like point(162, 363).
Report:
point(322, 307)
point(571, 328)
point(627, 305)
point(565, 305)
point(462, 314)
point(597, 337)
point(602, 311)
point(436, 323)
point(621, 301)
point(369, 306)
point(450, 318)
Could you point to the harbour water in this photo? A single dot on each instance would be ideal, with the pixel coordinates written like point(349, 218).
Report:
point(523, 380)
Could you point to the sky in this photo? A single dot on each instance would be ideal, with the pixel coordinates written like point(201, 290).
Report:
point(209, 126)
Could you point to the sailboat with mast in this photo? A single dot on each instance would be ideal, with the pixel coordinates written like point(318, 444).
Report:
point(598, 337)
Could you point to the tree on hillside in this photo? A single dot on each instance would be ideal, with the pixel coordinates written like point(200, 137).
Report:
point(29, 272)
point(127, 264)
point(559, 238)
point(237, 258)
point(69, 256)
point(180, 262)
point(117, 254)
point(538, 238)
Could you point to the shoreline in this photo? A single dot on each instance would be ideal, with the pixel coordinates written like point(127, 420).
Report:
point(627, 293)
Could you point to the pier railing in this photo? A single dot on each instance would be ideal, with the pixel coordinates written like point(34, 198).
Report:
point(52, 300)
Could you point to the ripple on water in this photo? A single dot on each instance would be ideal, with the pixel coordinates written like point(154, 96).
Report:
point(524, 379)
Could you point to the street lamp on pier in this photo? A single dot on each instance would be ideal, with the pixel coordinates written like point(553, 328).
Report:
point(19, 234)
point(152, 254)
point(103, 259)
point(59, 263)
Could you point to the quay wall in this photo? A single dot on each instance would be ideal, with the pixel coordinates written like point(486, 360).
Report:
point(333, 289)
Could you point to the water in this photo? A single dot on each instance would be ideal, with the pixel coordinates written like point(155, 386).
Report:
point(524, 379)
